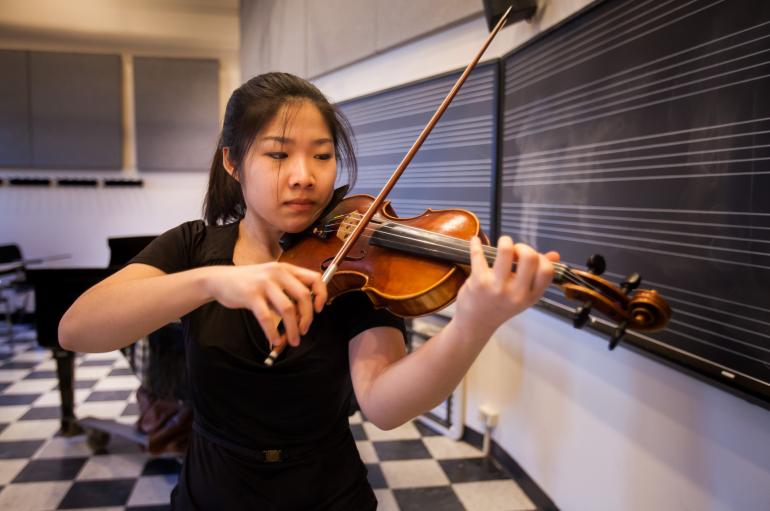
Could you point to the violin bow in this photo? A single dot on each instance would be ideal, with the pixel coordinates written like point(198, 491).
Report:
point(356, 233)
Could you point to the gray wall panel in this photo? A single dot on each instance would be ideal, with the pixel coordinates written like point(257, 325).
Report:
point(339, 32)
point(177, 113)
point(15, 143)
point(76, 110)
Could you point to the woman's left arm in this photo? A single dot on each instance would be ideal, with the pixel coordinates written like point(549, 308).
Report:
point(392, 388)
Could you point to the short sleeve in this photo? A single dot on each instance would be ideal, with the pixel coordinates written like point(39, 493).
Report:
point(170, 252)
point(356, 313)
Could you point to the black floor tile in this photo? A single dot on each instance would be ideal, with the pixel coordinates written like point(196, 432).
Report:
point(358, 432)
point(425, 430)
point(56, 469)
point(42, 412)
point(109, 395)
point(81, 384)
point(19, 449)
point(161, 466)
point(166, 507)
point(433, 497)
point(131, 409)
point(376, 479)
point(121, 371)
point(114, 492)
point(2, 427)
point(18, 399)
point(36, 375)
point(96, 363)
point(472, 469)
point(4, 386)
point(19, 365)
point(401, 450)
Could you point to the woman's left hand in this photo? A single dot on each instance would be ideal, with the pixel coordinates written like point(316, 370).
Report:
point(491, 296)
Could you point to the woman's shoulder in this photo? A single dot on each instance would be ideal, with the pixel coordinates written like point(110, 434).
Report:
point(209, 244)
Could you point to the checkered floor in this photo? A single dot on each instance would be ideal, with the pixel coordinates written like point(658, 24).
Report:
point(410, 468)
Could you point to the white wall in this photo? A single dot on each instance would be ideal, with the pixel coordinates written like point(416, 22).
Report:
point(78, 221)
point(595, 429)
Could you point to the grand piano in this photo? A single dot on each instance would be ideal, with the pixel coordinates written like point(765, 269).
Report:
point(55, 290)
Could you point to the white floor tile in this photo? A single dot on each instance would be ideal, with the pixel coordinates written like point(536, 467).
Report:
point(92, 373)
point(63, 447)
point(13, 375)
point(117, 383)
point(443, 448)
point(34, 386)
point(100, 409)
point(413, 473)
point(355, 418)
point(30, 430)
point(367, 452)
point(33, 496)
point(10, 414)
point(33, 356)
point(113, 466)
point(403, 432)
point(152, 490)
point(493, 496)
point(386, 501)
point(48, 365)
point(9, 469)
point(109, 355)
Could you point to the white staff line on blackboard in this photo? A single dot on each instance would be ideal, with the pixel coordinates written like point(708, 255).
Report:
point(637, 219)
point(539, 221)
point(570, 60)
point(482, 133)
point(425, 146)
point(713, 344)
point(636, 107)
point(597, 243)
point(661, 285)
point(623, 208)
point(549, 45)
point(564, 113)
point(541, 228)
point(516, 177)
point(551, 110)
point(441, 165)
point(527, 168)
point(562, 150)
point(671, 347)
point(583, 41)
point(412, 106)
point(407, 131)
point(680, 312)
point(675, 301)
point(592, 85)
point(515, 183)
point(405, 97)
point(526, 160)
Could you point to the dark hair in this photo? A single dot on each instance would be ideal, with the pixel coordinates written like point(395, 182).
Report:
point(249, 109)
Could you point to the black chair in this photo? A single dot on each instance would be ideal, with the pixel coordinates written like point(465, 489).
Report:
point(15, 291)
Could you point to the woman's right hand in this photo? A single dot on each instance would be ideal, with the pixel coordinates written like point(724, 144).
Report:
point(272, 291)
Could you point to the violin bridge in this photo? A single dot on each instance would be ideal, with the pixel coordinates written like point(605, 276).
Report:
point(347, 226)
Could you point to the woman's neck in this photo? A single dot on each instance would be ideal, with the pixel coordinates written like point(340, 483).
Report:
point(256, 243)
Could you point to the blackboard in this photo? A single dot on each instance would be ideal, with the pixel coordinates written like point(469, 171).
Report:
point(641, 130)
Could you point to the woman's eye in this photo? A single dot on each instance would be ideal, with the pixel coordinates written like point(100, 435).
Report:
point(276, 156)
point(324, 156)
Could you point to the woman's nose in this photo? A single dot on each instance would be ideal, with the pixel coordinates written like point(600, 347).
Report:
point(301, 174)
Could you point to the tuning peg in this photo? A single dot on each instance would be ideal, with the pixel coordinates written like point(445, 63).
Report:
point(596, 264)
point(618, 334)
point(581, 315)
point(631, 283)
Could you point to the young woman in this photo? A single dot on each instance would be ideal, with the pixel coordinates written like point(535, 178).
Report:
point(278, 437)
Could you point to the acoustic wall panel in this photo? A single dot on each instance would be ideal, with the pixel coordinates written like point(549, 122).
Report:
point(177, 113)
point(641, 131)
point(76, 111)
point(15, 142)
point(454, 168)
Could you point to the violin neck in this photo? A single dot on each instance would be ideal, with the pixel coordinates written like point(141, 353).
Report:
point(433, 245)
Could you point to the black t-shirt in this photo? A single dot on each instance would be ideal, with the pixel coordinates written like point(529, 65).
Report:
point(303, 400)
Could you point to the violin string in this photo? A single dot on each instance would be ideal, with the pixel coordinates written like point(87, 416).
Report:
point(460, 246)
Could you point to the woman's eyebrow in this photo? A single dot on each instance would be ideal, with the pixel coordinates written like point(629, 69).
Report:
point(286, 140)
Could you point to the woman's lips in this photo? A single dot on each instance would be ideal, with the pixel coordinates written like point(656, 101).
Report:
point(300, 204)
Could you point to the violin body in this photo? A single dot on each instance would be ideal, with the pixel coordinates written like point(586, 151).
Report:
point(392, 270)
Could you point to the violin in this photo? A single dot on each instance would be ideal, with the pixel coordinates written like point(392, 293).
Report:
point(415, 266)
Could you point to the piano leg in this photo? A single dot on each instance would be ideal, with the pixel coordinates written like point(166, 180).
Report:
point(65, 371)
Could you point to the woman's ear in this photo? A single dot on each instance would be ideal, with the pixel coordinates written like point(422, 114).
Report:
point(227, 164)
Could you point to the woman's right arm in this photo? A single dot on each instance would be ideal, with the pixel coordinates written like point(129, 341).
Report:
point(140, 299)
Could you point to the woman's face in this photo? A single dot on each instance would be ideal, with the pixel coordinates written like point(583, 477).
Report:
point(288, 176)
